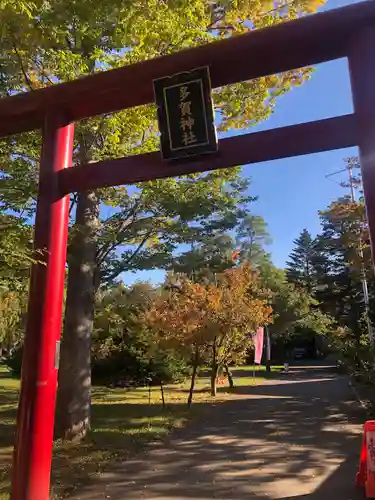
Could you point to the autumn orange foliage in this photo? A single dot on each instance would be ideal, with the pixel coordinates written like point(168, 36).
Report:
point(214, 320)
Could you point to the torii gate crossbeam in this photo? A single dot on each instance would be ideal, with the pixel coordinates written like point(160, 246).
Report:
point(346, 32)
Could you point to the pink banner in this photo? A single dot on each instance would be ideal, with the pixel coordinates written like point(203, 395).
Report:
point(258, 345)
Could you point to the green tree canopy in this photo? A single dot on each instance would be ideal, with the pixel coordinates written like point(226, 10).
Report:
point(300, 266)
point(251, 238)
point(44, 43)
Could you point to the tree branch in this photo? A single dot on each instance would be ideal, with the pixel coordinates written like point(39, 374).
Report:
point(105, 251)
point(27, 80)
point(114, 274)
point(123, 224)
point(73, 202)
point(43, 72)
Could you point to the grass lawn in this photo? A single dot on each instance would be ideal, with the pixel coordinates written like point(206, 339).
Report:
point(122, 421)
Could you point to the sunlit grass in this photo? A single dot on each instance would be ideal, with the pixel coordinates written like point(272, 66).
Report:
point(122, 422)
point(9, 388)
point(259, 368)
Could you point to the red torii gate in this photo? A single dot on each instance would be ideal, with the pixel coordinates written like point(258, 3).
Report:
point(346, 32)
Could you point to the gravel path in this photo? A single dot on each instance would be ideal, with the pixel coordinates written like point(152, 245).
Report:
point(296, 437)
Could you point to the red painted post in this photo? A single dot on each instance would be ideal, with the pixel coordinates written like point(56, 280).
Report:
point(33, 448)
point(362, 74)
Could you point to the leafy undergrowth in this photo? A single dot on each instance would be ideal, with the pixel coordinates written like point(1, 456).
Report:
point(122, 422)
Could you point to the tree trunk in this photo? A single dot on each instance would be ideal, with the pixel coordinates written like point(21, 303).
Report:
point(193, 376)
point(74, 391)
point(230, 376)
point(214, 370)
point(268, 351)
point(162, 394)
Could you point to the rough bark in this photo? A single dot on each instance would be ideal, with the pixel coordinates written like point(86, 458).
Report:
point(74, 392)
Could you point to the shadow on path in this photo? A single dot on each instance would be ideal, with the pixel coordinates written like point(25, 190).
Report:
point(297, 438)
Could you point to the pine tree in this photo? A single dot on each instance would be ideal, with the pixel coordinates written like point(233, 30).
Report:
point(344, 232)
point(300, 266)
point(252, 237)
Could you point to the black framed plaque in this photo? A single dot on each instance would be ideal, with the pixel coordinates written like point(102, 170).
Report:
point(185, 114)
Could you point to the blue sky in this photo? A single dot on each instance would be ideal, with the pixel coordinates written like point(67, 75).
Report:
point(291, 191)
